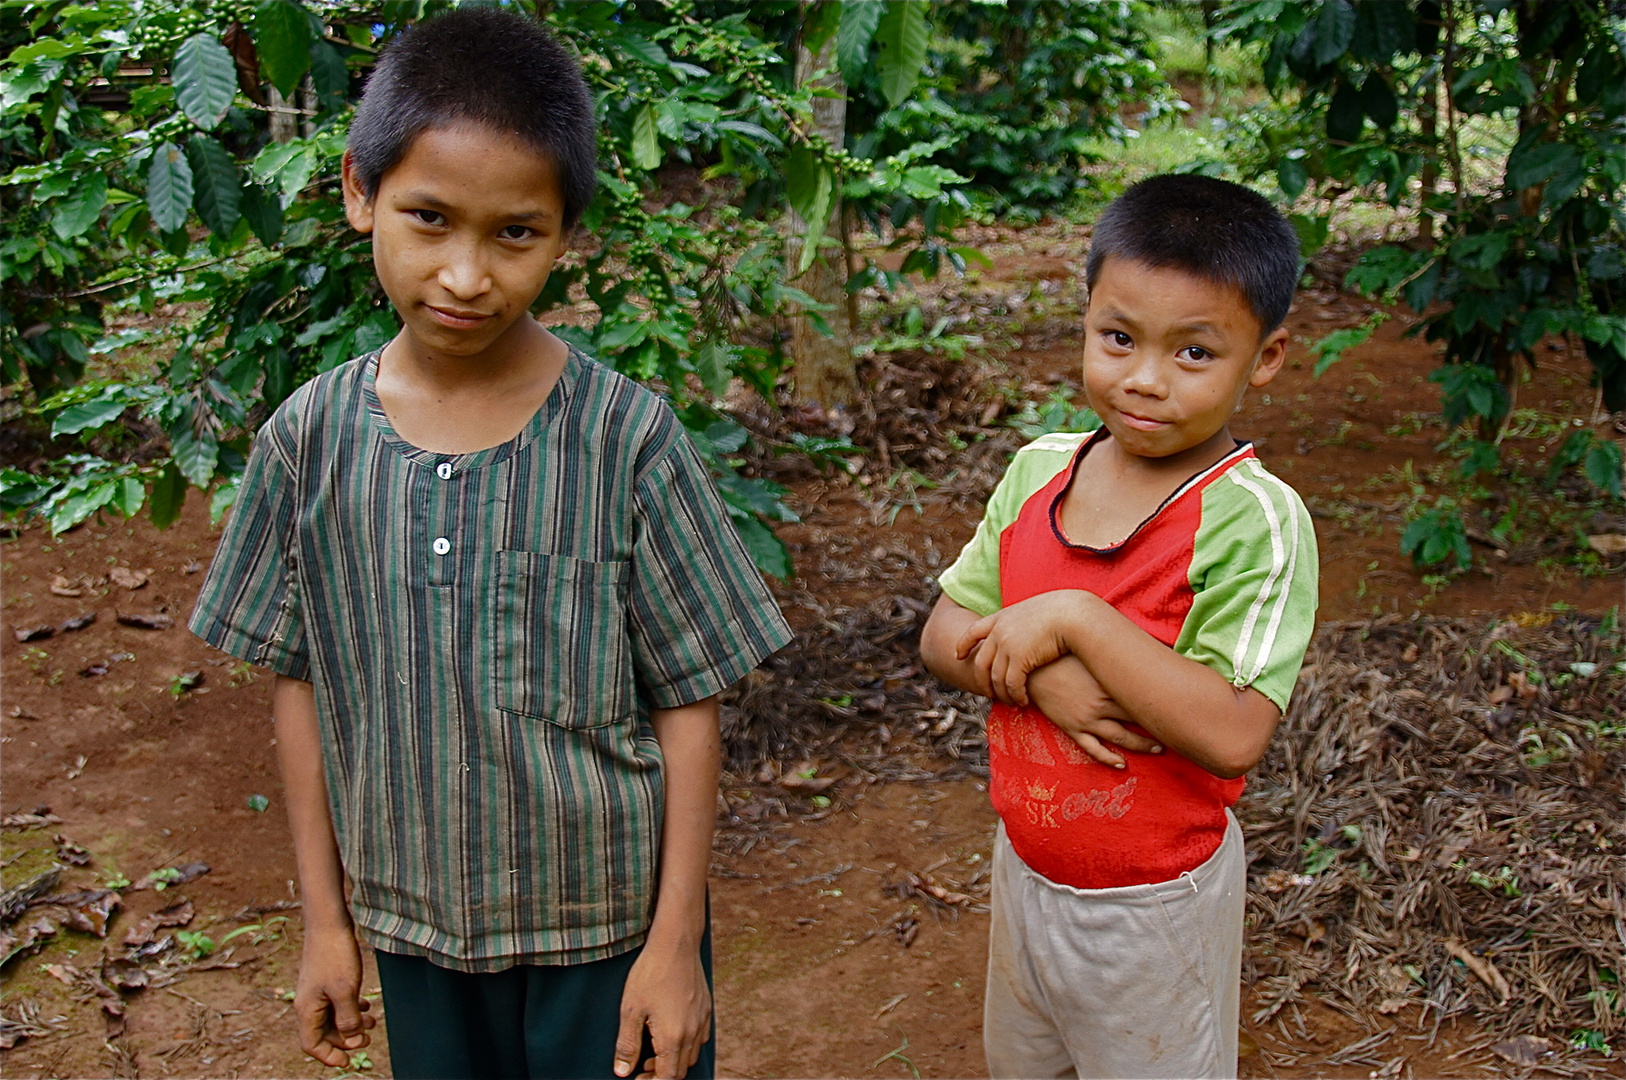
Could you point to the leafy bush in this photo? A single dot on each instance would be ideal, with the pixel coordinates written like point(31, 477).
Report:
point(188, 154)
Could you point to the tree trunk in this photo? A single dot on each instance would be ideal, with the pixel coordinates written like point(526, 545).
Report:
point(1428, 121)
point(822, 369)
point(284, 117)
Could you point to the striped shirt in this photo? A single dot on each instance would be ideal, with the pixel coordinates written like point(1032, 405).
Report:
point(486, 634)
point(1223, 572)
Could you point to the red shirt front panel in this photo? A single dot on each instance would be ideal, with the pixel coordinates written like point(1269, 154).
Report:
point(1072, 819)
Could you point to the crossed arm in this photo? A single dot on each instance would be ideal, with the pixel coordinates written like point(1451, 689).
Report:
point(1086, 666)
point(665, 990)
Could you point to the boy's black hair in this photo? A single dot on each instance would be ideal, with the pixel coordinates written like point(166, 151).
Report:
point(488, 67)
point(1209, 228)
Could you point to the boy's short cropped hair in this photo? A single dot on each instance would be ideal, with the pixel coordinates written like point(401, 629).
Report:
point(484, 66)
point(1210, 228)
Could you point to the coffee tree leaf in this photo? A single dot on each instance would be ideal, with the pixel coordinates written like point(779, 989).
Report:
point(217, 186)
point(282, 38)
point(169, 187)
point(204, 76)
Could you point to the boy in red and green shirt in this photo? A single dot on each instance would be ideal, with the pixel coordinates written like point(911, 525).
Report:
point(1138, 601)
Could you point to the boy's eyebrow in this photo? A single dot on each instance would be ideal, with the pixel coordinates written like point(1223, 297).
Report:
point(1197, 328)
point(1114, 315)
point(430, 202)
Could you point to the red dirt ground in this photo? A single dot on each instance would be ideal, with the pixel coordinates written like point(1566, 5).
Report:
point(813, 974)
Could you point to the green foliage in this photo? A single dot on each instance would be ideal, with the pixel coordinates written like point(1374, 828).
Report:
point(1599, 459)
point(142, 170)
point(1437, 537)
point(1055, 413)
point(1500, 125)
point(1330, 349)
point(195, 944)
point(1025, 89)
point(1387, 92)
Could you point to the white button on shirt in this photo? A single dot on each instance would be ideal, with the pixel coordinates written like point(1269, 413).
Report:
point(441, 545)
point(444, 470)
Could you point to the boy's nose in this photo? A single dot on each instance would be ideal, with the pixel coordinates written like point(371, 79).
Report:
point(464, 274)
point(1145, 376)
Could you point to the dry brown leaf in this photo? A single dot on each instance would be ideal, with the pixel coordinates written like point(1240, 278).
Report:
point(156, 621)
point(892, 1003)
point(66, 974)
point(1523, 1050)
point(78, 622)
point(1482, 967)
point(143, 932)
point(801, 779)
point(61, 586)
point(1500, 694)
point(127, 578)
point(34, 633)
point(90, 910)
point(1523, 686)
point(927, 885)
point(125, 974)
point(1607, 543)
point(36, 820)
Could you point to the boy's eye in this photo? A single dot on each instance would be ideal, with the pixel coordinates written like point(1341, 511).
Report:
point(1196, 353)
point(1120, 339)
point(516, 232)
point(428, 217)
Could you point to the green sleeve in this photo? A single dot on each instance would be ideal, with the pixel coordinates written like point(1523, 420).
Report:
point(1254, 573)
point(973, 580)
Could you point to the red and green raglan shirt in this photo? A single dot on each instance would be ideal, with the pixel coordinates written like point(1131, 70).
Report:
point(1224, 572)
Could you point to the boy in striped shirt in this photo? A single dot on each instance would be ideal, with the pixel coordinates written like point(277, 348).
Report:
point(500, 595)
point(1138, 602)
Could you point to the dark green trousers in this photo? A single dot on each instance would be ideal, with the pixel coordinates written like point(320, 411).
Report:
point(527, 1023)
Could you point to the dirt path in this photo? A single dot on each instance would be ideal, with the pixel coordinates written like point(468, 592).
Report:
point(850, 940)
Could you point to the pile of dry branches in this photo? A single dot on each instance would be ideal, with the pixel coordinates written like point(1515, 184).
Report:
point(1441, 823)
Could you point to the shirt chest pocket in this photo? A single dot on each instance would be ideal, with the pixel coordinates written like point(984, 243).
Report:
point(561, 647)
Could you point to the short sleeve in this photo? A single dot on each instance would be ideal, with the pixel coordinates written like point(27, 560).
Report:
point(1255, 575)
point(973, 580)
point(699, 614)
point(249, 603)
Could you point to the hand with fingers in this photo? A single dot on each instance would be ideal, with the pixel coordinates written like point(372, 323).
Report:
point(333, 1016)
point(1015, 641)
point(666, 993)
point(1068, 695)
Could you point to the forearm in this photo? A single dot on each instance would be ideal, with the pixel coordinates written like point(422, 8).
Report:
point(692, 747)
point(939, 640)
point(316, 851)
point(1189, 707)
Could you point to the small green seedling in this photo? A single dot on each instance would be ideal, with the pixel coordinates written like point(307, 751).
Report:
point(163, 879)
point(1583, 1039)
point(184, 682)
point(197, 944)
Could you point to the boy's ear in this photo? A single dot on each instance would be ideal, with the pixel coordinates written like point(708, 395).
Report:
point(1272, 354)
point(358, 208)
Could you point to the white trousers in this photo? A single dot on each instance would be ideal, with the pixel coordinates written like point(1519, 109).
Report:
point(1139, 981)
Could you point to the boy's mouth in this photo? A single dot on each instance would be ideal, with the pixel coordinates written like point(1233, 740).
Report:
point(1142, 423)
point(460, 320)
